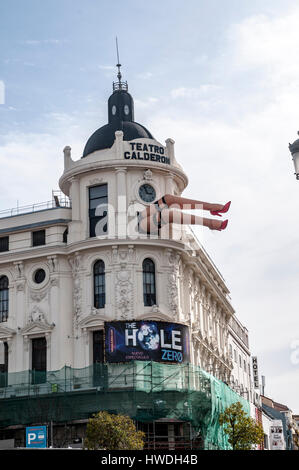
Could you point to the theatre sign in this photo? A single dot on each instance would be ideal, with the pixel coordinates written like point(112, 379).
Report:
point(146, 151)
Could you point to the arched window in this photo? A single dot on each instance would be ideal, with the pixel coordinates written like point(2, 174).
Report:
point(99, 284)
point(149, 282)
point(3, 298)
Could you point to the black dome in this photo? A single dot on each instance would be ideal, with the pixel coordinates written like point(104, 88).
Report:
point(121, 118)
point(104, 137)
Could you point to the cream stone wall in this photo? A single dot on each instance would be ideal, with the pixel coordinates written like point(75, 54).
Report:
point(189, 287)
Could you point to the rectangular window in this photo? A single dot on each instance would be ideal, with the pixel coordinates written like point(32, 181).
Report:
point(98, 358)
point(39, 360)
point(4, 244)
point(39, 238)
point(98, 210)
point(4, 365)
point(98, 346)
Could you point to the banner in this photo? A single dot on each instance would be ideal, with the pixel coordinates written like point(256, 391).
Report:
point(276, 437)
point(146, 341)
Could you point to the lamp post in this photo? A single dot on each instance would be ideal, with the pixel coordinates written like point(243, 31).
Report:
point(294, 149)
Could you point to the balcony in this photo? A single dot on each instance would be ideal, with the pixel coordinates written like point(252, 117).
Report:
point(56, 202)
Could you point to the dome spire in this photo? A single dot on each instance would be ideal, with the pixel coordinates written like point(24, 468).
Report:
point(119, 85)
point(118, 65)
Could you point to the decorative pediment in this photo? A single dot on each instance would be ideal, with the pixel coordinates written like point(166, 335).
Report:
point(37, 327)
point(155, 314)
point(6, 333)
point(91, 321)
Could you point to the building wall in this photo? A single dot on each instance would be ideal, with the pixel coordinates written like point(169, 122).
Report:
point(189, 287)
point(239, 354)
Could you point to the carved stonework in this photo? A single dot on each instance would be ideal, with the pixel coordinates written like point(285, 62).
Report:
point(148, 175)
point(75, 263)
point(38, 296)
point(54, 281)
point(20, 284)
point(114, 254)
point(36, 327)
point(92, 321)
point(173, 284)
point(123, 255)
point(19, 268)
point(52, 263)
point(36, 315)
point(95, 181)
point(124, 293)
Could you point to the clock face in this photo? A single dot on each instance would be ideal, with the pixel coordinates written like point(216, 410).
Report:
point(147, 193)
point(113, 109)
point(126, 109)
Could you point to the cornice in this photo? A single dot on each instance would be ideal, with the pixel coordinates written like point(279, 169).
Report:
point(6, 332)
point(36, 327)
point(82, 168)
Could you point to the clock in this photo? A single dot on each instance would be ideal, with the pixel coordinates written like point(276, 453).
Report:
point(147, 193)
point(113, 110)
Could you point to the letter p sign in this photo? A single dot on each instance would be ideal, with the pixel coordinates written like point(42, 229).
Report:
point(36, 437)
point(31, 437)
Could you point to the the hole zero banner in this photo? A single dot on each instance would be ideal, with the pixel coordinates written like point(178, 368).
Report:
point(146, 340)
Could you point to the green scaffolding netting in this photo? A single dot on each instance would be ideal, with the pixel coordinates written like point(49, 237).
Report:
point(145, 391)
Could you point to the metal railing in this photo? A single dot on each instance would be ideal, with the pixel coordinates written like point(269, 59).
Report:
point(120, 86)
point(55, 203)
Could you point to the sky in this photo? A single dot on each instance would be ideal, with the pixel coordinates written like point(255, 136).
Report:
point(220, 77)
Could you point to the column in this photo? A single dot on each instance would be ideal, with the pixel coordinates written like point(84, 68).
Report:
point(121, 209)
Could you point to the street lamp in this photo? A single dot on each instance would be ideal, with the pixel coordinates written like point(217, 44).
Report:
point(294, 149)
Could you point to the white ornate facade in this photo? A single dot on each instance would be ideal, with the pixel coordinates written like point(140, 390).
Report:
point(61, 308)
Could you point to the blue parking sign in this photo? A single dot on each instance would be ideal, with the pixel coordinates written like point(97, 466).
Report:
point(36, 436)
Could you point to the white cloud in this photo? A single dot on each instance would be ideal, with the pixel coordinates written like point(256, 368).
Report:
point(145, 75)
point(194, 93)
point(37, 42)
point(145, 103)
point(284, 389)
point(32, 163)
point(268, 43)
point(241, 154)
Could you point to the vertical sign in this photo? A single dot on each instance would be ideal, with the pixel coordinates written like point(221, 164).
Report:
point(36, 437)
point(255, 372)
point(276, 437)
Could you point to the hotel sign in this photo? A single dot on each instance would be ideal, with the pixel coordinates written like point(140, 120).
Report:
point(255, 372)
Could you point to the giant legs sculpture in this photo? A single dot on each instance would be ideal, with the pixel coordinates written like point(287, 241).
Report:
point(167, 210)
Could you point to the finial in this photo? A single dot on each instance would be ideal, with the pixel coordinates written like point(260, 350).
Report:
point(119, 85)
point(118, 65)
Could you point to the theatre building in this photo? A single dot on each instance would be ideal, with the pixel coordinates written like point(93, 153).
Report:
point(97, 315)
